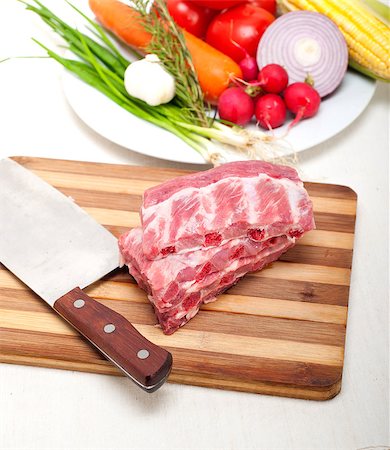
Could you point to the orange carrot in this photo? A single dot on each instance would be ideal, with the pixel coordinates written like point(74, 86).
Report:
point(214, 69)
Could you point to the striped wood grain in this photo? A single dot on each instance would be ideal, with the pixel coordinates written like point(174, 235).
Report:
point(280, 331)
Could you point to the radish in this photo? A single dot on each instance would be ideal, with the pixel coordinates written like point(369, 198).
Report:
point(236, 106)
point(248, 65)
point(249, 68)
point(273, 78)
point(270, 111)
point(302, 100)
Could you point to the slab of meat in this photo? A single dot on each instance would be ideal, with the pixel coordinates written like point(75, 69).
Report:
point(180, 283)
point(203, 232)
point(250, 199)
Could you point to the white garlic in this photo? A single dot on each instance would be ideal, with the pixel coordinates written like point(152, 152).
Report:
point(147, 80)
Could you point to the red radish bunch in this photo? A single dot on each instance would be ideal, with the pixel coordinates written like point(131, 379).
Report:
point(249, 68)
point(302, 100)
point(273, 78)
point(238, 104)
point(270, 111)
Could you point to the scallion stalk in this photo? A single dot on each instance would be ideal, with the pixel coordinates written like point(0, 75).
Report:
point(101, 66)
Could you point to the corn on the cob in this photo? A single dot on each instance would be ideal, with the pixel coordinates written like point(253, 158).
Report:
point(367, 37)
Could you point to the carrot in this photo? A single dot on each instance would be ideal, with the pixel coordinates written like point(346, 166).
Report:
point(214, 69)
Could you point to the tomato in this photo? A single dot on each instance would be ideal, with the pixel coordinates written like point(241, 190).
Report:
point(269, 5)
point(217, 4)
point(244, 25)
point(193, 18)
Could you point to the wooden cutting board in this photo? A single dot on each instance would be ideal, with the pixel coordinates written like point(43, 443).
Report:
point(279, 331)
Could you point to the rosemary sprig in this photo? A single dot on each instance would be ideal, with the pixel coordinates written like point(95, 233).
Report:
point(169, 45)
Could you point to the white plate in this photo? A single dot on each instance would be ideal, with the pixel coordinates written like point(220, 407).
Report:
point(117, 125)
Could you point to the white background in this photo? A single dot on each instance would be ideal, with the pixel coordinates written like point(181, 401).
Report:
point(50, 409)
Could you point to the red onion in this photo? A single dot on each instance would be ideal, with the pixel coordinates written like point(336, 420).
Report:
point(309, 46)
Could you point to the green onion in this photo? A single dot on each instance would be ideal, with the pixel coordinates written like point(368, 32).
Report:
point(101, 66)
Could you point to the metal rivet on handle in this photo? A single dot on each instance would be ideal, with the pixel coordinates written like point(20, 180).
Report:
point(109, 328)
point(79, 303)
point(143, 354)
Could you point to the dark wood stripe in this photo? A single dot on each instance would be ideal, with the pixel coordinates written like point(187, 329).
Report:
point(322, 256)
point(327, 294)
point(239, 324)
point(343, 223)
point(117, 230)
point(254, 369)
point(22, 300)
point(301, 291)
point(330, 190)
point(48, 345)
point(54, 346)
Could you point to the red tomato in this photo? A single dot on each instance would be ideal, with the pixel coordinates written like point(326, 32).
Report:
point(217, 4)
point(238, 30)
point(191, 17)
point(269, 5)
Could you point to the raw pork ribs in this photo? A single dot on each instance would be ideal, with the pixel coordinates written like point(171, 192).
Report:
point(201, 233)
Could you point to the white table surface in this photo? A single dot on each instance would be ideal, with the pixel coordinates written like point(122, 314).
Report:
point(50, 409)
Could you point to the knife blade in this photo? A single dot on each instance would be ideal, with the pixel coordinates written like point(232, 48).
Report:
point(57, 249)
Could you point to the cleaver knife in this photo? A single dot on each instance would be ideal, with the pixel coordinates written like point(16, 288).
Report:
point(57, 249)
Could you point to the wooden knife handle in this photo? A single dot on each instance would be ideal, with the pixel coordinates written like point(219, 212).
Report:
point(144, 362)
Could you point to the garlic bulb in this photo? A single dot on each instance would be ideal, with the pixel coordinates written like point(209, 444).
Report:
point(147, 80)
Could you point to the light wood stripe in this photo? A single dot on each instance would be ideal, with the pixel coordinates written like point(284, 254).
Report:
point(190, 339)
point(129, 172)
point(35, 321)
point(96, 183)
point(321, 238)
point(102, 367)
point(305, 272)
point(9, 281)
point(137, 187)
point(334, 205)
point(279, 308)
point(128, 219)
